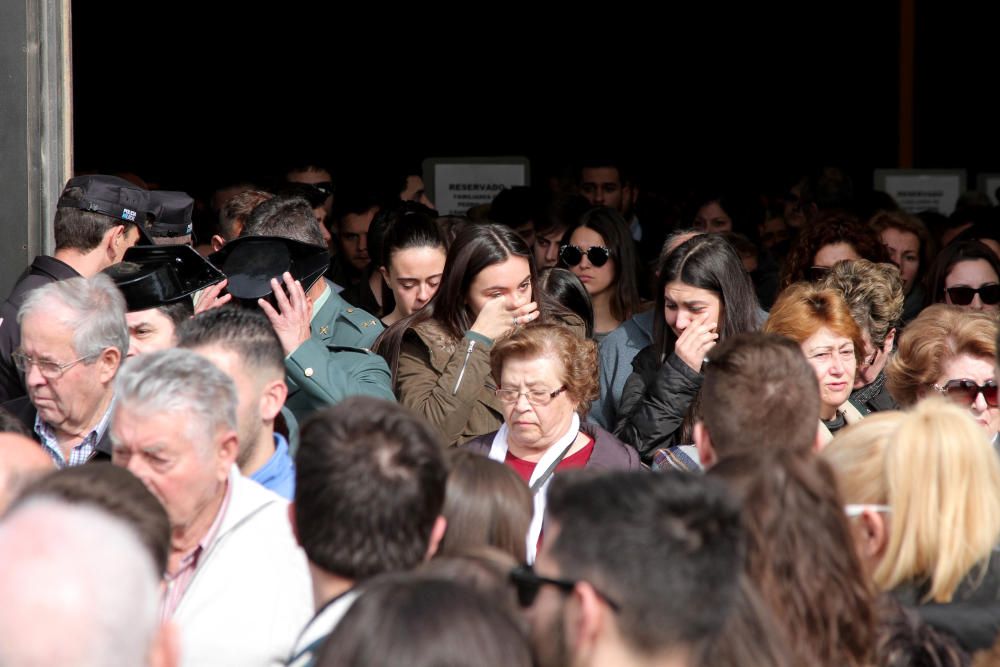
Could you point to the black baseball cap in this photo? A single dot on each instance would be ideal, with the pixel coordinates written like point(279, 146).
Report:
point(157, 275)
point(172, 214)
point(108, 195)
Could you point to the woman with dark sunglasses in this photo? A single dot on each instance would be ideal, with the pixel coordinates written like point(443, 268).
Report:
point(601, 253)
point(703, 295)
point(966, 274)
point(950, 351)
point(834, 236)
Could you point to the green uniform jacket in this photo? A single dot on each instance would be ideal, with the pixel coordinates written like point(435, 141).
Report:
point(336, 362)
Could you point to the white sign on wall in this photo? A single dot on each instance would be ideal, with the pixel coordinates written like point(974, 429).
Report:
point(918, 190)
point(989, 183)
point(458, 184)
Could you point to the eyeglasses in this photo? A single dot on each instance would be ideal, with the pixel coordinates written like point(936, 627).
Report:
point(326, 187)
point(965, 392)
point(528, 584)
point(857, 510)
point(572, 255)
point(962, 296)
point(870, 359)
point(50, 370)
point(817, 273)
point(537, 397)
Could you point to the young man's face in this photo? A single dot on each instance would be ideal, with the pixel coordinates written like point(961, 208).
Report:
point(546, 248)
point(353, 237)
point(602, 186)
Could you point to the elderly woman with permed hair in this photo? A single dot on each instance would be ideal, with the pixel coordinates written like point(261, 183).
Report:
point(546, 379)
point(951, 351)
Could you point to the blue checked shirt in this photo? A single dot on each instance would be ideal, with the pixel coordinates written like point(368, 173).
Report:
point(79, 454)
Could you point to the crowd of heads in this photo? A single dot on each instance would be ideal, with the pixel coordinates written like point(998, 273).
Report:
point(583, 424)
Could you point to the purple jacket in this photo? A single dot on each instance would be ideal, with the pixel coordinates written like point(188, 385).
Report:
point(610, 453)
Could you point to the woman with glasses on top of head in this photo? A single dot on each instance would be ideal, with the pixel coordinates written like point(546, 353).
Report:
point(951, 351)
point(545, 382)
point(965, 274)
point(874, 294)
point(834, 236)
point(703, 295)
point(923, 499)
point(601, 253)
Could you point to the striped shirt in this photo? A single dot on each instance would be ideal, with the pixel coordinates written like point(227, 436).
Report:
point(82, 452)
point(177, 582)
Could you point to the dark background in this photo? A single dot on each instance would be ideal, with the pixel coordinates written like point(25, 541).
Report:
point(191, 96)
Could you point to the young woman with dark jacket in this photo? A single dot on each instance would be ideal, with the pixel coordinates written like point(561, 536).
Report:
point(703, 295)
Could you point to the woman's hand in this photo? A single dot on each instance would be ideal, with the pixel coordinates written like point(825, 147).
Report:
point(694, 342)
point(496, 320)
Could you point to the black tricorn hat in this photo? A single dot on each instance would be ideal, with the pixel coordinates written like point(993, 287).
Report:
point(108, 195)
point(154, 276)
point(172, 212)
point(250, 262)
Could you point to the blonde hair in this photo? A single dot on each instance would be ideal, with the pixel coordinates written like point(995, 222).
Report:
point(857, 454)
point(940, 476)
point(939, 334)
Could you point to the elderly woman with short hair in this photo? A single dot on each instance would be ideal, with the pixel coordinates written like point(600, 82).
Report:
point(545, 382)
point(821, 323)
point(951, 351)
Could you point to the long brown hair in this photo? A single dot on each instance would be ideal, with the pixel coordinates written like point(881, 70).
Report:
point(475, 248)
point(801, 555)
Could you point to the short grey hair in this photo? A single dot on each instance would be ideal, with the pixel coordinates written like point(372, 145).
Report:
point(46, 540)
point(182, 382)
point(98, 308)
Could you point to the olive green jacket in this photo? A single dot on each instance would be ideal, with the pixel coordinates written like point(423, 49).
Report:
point(448, 382)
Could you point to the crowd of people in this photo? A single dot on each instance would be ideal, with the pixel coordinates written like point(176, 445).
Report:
point(338, 428)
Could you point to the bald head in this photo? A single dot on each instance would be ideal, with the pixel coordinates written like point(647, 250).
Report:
point(21, 461)
point(46, 541)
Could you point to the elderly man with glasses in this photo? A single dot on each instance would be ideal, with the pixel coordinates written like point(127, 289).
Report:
point(73, 340)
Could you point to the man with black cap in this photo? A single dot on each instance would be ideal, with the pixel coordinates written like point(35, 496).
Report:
point(95, 223)
point(278, 264)
point(171, 223)
point(158, 283)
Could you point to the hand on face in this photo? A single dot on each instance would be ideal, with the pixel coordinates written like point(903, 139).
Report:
point(497, 319)
point(696, 340)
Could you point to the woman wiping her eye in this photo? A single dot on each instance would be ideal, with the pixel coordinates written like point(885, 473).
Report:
point(439, 355)
point(704, 295)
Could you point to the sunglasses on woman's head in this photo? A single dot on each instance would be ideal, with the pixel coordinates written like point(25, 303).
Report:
point(965, 392)
point(572, 255)
point(962, 296)
point(817, 273)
